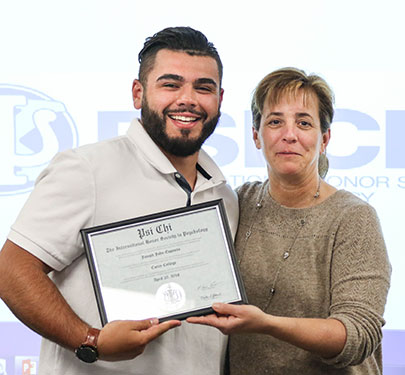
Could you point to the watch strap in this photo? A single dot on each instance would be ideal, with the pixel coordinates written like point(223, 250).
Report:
point(87, 352)
point(92, 337)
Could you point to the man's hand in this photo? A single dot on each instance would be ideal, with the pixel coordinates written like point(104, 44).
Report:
point(126, 339)
point(28, 291)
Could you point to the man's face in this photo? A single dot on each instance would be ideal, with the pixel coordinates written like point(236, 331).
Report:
point(180, 101)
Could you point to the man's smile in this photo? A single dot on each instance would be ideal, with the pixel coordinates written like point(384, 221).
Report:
point(184, 120)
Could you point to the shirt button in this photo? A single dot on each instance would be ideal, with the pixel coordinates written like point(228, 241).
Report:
point(177, 175)
point(286, 255)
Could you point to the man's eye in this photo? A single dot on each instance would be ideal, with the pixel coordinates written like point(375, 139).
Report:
point(305, 123)
point(204, 88)
point(274, 122)
point(170, 85)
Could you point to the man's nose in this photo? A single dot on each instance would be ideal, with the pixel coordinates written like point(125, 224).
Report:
point(187, 96)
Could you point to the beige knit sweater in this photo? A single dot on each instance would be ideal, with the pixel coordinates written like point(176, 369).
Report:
point(331, 262)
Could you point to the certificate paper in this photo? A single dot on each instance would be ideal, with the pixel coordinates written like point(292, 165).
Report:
point(168, 265)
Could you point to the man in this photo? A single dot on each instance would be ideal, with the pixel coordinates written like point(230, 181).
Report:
point(157, 166)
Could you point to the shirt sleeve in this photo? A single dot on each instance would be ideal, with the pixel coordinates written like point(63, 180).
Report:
point(360, 278)
point(61, 204)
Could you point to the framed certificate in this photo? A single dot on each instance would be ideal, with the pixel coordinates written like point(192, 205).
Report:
point(168, 265)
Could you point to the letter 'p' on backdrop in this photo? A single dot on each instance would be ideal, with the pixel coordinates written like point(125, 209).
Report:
point(66, 70)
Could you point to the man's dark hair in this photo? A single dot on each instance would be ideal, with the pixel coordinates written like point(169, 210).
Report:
point(182, 39)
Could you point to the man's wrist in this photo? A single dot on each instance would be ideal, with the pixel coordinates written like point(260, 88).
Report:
point(87, 351)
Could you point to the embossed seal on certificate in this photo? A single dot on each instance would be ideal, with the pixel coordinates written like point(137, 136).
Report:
point(170, 296)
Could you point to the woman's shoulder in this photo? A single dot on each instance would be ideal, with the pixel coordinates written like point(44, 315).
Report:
point(349, 205)
point(346, 198)
point(249, 189)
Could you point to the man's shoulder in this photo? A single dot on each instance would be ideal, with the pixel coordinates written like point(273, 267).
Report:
point(111, 144)
point(105, 152)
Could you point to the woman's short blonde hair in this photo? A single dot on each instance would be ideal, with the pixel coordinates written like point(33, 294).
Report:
point(289, 81)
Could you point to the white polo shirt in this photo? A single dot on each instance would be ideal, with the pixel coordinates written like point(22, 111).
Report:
point(109, 181)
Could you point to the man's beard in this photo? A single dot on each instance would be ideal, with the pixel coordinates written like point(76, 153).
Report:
point(183, 146)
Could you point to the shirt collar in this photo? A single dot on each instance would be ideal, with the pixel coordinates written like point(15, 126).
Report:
point(152, 153)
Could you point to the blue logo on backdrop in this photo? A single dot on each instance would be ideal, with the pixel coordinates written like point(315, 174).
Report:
point(34, 128)
point(227, 148)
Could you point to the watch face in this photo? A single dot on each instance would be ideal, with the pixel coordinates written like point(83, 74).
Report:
point(87, 354)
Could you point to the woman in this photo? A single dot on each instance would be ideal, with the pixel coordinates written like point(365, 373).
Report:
point(312, 258)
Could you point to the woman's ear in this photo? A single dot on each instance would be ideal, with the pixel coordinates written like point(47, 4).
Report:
point(325, 140)
point(256, 138)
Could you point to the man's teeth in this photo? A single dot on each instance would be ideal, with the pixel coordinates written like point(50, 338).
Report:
point(183, 118)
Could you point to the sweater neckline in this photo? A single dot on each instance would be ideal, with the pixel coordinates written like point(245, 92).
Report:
point(265, 197)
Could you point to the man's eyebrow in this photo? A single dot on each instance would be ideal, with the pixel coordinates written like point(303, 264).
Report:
point(173, 77)
point(176, 77)
point(209, 81)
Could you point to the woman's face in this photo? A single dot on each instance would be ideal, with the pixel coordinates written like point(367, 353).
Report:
point(290, 136)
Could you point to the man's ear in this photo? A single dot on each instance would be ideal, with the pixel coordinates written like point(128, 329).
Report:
point(137, 93)
point(256, 138)
point(221, 96)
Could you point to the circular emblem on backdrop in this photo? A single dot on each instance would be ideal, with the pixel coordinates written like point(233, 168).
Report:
point(170, 297)
point(34, 127)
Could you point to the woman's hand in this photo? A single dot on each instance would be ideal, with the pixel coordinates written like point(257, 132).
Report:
point(234, 319)
point(325, 337)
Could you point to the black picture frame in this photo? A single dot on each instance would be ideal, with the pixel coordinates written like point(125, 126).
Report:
point(128, 258)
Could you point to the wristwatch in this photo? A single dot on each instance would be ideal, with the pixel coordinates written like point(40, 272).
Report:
point(88, 352)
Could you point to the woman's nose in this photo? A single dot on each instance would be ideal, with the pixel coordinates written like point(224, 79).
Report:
point(290, 134)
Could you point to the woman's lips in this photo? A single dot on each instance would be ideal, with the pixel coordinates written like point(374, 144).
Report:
point(288, 153)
